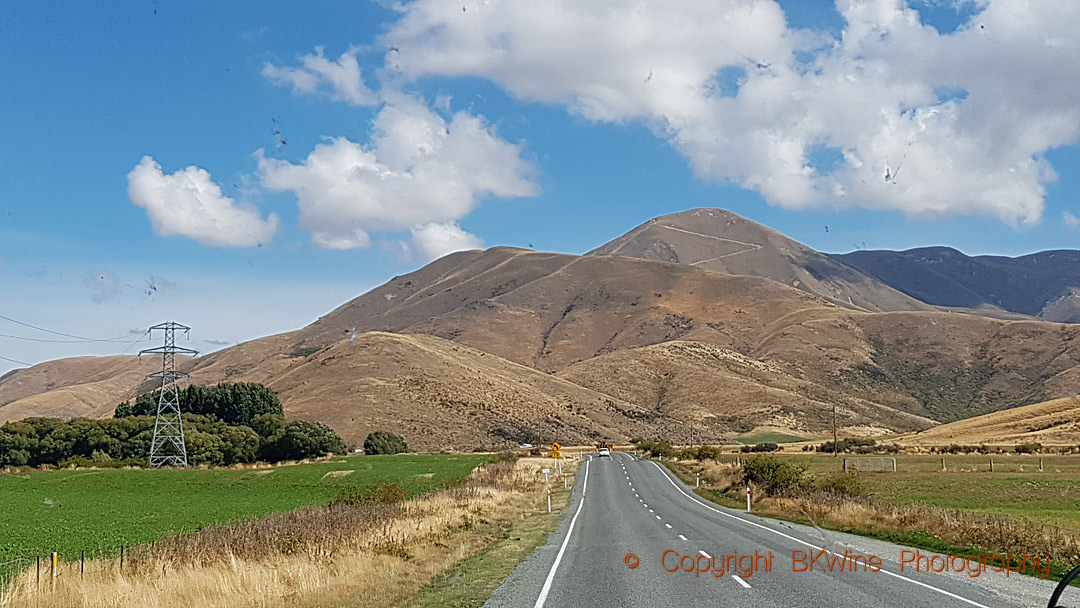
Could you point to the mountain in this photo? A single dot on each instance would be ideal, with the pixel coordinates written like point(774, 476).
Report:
point(1044, 285)
point(1050, 422)
point(493, 347)
point(715, 239)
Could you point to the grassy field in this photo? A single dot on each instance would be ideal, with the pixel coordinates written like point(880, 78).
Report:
point(97, 511)
point(1016, 487)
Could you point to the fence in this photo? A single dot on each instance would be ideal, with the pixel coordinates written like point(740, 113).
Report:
point(46, 567)
point(870, 464)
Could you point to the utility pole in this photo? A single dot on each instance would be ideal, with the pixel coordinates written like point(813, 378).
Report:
point(691, 433)
point(835, 446)
point(167, 446)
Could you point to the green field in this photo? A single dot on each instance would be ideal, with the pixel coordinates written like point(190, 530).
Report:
point(1016, 487)
point(97, 511)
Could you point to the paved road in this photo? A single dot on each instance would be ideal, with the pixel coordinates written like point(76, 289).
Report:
point(623, 506)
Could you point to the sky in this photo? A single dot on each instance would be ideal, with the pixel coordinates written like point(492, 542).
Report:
point(245, 167)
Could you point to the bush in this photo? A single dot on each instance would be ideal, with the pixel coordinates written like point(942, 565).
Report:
point(846, 485)
point(301, 439)
point(851, 444)
point(775, 476)
point(1029, 448)
point(382, 442)
point(380, 494)
point(656, 448)
point(761, 447)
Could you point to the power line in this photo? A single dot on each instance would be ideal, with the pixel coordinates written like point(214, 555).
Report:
point(60, 333)
point(29, 339)
point(15, 361)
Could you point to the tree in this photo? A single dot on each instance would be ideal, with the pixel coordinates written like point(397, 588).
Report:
point(236, 404)
point(382, 442)
point(301, 439)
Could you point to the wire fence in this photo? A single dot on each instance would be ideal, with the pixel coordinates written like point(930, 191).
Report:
point(44, 568)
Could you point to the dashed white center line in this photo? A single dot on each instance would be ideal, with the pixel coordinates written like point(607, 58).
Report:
point(650, 510)
point(740, 581)
point(657, 517)
point(682, 537)
point(668, 526)
point(705, 554)
point(646, 505)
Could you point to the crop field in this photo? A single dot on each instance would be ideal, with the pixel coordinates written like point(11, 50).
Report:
point(1017, 486)
point(98, 511)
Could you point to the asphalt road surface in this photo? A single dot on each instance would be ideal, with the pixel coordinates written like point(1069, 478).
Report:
point(634, 535)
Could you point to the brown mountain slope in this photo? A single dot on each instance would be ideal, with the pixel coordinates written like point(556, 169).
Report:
point(71, 371)
point(724, 392)
point(1055, 422)
point(438, 393)
point(716, 239)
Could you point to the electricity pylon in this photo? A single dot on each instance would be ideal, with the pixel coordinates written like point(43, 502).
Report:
point(167, 447)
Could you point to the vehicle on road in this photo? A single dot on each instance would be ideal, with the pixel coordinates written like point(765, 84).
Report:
point(604, 453)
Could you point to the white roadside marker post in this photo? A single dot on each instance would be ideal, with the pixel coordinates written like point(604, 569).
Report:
point(747, 499)
point(549, 500)
point(697, 480)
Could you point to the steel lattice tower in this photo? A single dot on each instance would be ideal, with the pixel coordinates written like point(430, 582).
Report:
point(167, 447)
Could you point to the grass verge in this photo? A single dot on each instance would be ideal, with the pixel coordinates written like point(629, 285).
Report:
point(470, 582)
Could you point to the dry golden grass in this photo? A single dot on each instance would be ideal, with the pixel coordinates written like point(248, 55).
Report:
point(991, 533)
point(1054, 422)
point(371, 555)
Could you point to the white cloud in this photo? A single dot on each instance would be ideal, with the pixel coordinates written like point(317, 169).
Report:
point(340, 80)
point(965, 116)
point(417, 171)
point(189, 203)
point(436, 240)
point(1071, 219)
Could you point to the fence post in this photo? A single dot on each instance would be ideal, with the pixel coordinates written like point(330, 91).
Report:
point(82, 562)
point(943, 464)
point(38, 579)
point(1040, 465)
point(121, 558)
point(54, 557)
point(991, 464)
point(893, 465)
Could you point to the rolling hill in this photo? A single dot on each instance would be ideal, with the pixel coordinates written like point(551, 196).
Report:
point(738, 328)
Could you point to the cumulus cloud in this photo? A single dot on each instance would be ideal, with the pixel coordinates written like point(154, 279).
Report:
point(419, 173)
point(189, 203)
point(1071, 219)
point(436, 240)
point(340, 80)
point(961, 119)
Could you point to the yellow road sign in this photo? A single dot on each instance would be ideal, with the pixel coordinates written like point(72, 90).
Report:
point(555, 446)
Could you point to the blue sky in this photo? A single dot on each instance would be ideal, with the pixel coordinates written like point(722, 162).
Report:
point(586, 137)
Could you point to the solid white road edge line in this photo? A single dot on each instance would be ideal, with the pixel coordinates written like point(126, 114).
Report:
point(558, 557)
point(739, 580)
point(803, 542)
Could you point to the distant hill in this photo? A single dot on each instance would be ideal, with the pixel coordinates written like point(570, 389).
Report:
point(1044, 285)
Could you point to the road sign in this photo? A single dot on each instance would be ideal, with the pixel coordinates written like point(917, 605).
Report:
point(555, 449)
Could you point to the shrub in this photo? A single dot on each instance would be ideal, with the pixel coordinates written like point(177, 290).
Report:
point(1029, 448)
point(851, 444)
point(380, 494)
point(382, 442)
point(847, 485)
point(656, 448)
point(301, 439)
point(761, 447)
point(775, 476)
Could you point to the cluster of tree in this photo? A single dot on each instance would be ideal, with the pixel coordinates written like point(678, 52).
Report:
point(856, 445)
point(222, 431)
point(382, 442)
point(232, 403)
point(760, 447)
